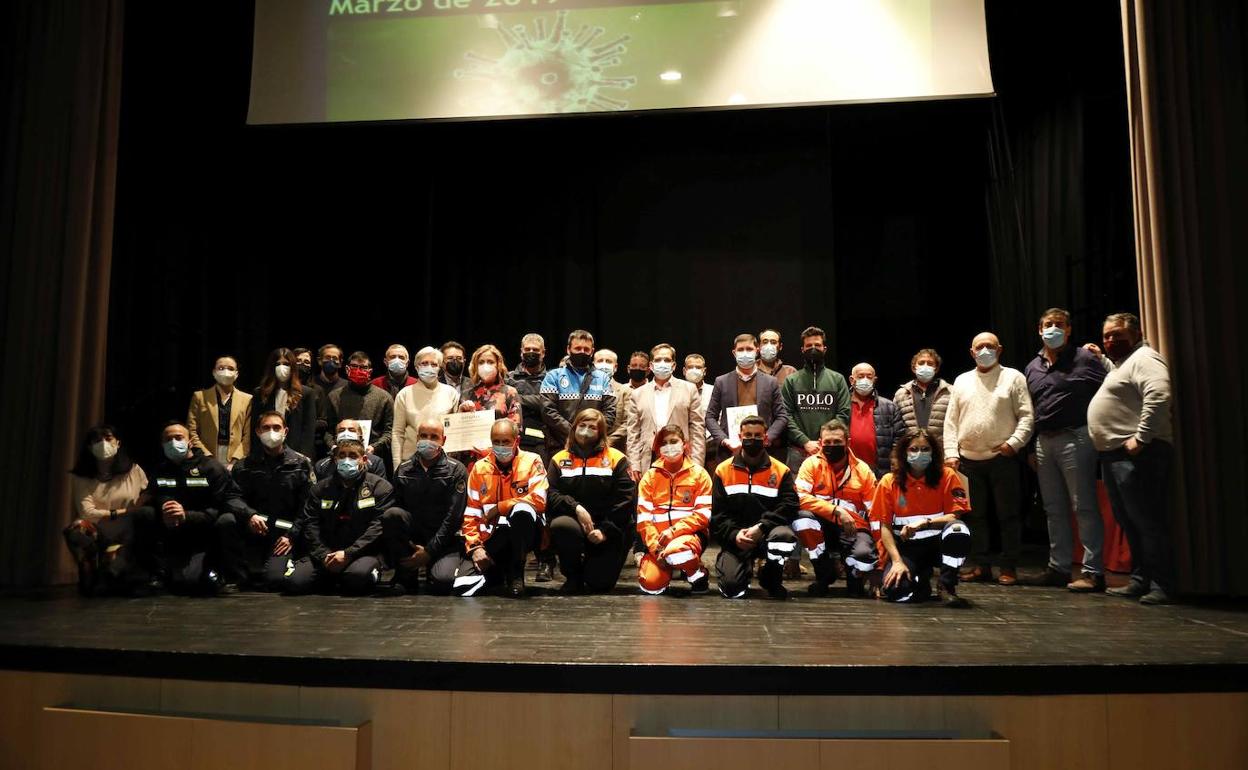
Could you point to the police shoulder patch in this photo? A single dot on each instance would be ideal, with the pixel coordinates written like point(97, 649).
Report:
point(460, 486)
point(564, 381)
point(194, 471)
point(366, 492)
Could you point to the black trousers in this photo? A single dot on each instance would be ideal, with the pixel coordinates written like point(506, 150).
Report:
point(734, 568)
point(401, 531)
point(921, 557)
point(507, 547)
point(192, 552)
point(999, 480)
point(597, 566)
point(304, 575)
point(243, 552)
point(1139, 494)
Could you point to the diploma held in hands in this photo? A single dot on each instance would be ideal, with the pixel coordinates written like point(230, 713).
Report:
point(468, 430)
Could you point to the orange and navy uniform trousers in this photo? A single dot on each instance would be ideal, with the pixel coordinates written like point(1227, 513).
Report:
point(602, 485)
point(673, 516)
point(823, 495)
point(928, 549)
point(743, 496)
point(518, 493)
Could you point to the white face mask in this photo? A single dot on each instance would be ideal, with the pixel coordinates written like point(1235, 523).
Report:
point(427, 374)
point(769, 352)
point(225, 376)
point(986, 357)
point(104, 450)
point(924, 373)
point(745, 358)
point(864, 385)
point(282, 373)
point(605, 368)
point(272, 438)
point(349, 435)
point(672, 451)
point(663, 369)
point(694, 374)
point(486, 372)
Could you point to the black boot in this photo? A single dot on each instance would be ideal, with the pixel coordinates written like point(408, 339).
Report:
point(771, 578)
point(825, 575)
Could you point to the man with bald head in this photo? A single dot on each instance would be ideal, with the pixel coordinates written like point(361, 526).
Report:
point(430, 490)
point(344, 430)
point(875, 422)
point(988, 424)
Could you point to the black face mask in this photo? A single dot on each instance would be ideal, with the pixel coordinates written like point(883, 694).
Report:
point(636, 375)
point(329, 367)
point(454, 368)
point(752, 447)
point(834, 453)
point(531, 360)
point(813, 356)
point(580, 360)
point(305, 372)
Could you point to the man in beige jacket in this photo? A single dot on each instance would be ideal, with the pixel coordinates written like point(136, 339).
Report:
point(665, 400)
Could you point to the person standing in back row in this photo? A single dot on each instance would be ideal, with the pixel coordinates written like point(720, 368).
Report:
point(989, 422)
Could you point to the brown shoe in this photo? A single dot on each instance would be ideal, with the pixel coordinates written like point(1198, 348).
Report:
point(1088, 584)
point(976, 575)
point(1008, 577)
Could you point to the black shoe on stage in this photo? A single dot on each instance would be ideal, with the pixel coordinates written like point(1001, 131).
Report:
point(572, 586)
point(545, 571)
point(817, 589)
point(953, 601)
point(515, 586)
point(770, 577)
point(701, 585)
point(1132, 590)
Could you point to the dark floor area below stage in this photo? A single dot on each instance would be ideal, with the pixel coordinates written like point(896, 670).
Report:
point(1012, 639)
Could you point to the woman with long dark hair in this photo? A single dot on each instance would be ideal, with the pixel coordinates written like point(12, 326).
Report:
point(282, 391)
point(917, 509)
point(107, 492)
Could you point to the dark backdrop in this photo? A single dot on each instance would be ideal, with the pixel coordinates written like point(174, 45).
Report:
point(893, 226)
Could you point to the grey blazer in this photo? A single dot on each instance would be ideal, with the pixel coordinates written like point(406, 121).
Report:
point(724, 394)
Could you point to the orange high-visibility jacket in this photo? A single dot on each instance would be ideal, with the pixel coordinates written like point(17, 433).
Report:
point(821, 492)
point(489, 487)
point(894, 508)
point(679, 502)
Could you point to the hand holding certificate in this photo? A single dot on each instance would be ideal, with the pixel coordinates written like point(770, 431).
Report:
point(468, 430)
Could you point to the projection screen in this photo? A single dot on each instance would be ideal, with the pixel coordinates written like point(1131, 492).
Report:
point(320, 61)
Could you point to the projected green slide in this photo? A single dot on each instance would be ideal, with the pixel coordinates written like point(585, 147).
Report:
point(354, 60)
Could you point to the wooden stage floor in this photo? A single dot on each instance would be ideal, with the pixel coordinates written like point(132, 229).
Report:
point(1012, 640)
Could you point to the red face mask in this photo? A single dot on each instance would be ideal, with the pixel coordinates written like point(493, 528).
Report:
point(359, 375)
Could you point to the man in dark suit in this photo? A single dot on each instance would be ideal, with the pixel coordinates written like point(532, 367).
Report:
point(746, 385)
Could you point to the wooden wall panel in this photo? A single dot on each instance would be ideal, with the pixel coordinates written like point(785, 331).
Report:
point(1209, 731)
point(551, 732)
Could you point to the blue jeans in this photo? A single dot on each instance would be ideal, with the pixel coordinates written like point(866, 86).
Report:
point(1138, 490)
point(1066, 466)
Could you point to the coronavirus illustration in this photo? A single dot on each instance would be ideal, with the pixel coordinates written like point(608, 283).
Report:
point(550, 71)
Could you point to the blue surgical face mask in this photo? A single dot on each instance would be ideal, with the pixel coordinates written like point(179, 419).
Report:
point(769, 352)
point(986, 357)
point(504, 453)
point(924, 373)
point(745, 359)
point(348, 468)
point(175, 449)
point(605, 368)
point(397, 366)
point(864, 385)
point(1054, 337)
point(919, 459)
point(427, 449)
point(427, 374)
point(663, 369)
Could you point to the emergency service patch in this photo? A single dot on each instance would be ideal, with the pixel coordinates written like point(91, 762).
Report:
point(459, 486)
point(686, 496)
point(194, 471)
point(606, 462)
point(366, 492)
point(563, 381)
point(771, 480)
point(958, 493)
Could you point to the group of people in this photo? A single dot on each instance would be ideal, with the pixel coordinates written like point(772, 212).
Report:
point(327, 477)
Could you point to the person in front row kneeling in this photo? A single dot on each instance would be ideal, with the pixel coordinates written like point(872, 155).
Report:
point(673, 514)
point(430, 492)
point(342, 542)
point(835, 490)
point(918, 509)
point(753, 504)
point(592, 496)
point(502, 521)
point(191, 491)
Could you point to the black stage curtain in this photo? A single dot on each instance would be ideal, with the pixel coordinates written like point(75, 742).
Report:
point(61, 78)
point(1187, 74)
